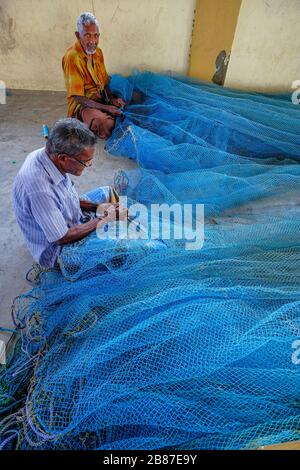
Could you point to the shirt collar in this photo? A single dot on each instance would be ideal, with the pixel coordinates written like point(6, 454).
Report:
point(54, 173)
point(81, 52)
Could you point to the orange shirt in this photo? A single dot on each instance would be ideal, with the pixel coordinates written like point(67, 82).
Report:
point(82, 77)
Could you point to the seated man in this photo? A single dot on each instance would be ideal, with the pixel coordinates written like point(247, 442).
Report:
point(89, 97)
point(47, 206)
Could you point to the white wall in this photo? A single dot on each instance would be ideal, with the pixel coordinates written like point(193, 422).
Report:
point(266, 48)
point(145, 34)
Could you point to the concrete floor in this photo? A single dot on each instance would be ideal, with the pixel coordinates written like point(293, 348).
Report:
point(21, 119)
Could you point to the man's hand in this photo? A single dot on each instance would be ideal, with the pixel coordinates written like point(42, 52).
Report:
point(103, 207)
point(112, 212)
point(118, 102)
point(113, 111)
point(115, 214)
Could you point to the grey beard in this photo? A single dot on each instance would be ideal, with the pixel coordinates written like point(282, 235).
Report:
point(91, 51)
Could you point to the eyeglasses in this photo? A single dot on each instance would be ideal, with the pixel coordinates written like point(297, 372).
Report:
point(80, 161)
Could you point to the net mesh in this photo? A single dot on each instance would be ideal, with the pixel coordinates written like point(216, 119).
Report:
point(142, 344)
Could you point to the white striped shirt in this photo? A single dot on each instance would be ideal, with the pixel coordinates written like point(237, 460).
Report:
point(46, 205)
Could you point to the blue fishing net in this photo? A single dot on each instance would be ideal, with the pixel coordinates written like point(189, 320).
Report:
point(141, 343)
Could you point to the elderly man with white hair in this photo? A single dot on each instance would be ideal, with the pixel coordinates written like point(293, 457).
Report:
point(89, 98)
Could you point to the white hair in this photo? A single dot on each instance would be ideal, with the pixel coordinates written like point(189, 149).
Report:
point(85, 19)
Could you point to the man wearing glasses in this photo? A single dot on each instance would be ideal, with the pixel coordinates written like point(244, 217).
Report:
point(47, 206)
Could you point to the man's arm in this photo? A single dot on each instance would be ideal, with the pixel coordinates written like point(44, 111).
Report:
point(80, 231)
point(83, 230)
point(87, 103)
point(49, 217)
point(100, 207)
point(88, 206)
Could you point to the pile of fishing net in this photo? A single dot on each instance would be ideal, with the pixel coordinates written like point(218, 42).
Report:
point(144, 344)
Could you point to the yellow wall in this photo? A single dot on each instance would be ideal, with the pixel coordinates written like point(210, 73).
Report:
point(214, 28)
point(266, 48)
point(145, 34)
